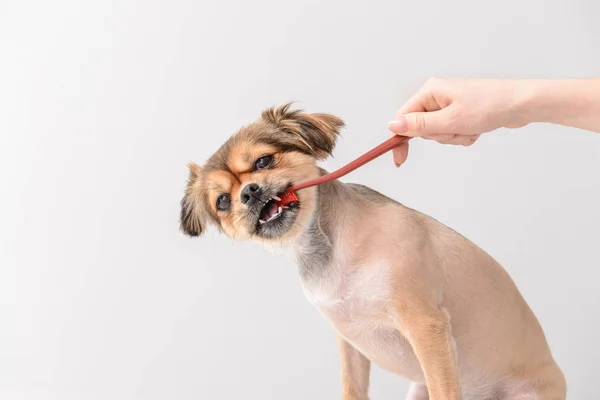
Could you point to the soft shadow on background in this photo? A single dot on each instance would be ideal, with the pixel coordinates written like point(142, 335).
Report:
point(102, 105)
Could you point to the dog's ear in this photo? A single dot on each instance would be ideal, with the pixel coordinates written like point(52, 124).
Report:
point(313, 134)
point(193, 218)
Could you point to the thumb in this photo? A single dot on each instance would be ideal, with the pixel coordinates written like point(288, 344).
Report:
point(400, 154)
point(422, 123)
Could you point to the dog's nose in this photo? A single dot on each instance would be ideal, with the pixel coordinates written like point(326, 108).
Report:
point(251, 194)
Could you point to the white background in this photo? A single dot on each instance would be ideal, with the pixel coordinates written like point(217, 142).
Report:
point(102, 105)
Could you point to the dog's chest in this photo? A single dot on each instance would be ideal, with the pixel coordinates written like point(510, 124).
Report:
point(356, 300)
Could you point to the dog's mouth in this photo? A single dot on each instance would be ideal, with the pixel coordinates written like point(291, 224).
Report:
point(276, 215)
point(270, 211)
point(275, 207)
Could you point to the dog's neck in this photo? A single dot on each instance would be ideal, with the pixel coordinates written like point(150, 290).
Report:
point(315, 247)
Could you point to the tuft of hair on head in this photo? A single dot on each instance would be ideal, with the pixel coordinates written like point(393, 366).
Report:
point(311, 133)
point(192, 215)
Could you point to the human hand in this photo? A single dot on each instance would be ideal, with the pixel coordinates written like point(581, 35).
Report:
point(458, 111)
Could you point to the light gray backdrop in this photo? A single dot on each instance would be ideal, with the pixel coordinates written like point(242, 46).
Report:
point(102, 104)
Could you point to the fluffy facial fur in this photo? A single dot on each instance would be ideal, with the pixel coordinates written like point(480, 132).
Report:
point(295, 140)
point(401, 289)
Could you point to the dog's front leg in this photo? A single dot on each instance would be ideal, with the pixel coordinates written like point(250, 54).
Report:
point(427, 328)
point(355, 372)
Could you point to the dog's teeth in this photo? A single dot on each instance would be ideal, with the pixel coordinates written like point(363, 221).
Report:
point(285, 207)
point(276, 198)
point(279, 210)
point(261, 221)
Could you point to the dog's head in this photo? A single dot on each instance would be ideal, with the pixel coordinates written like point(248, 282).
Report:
point(237, 188)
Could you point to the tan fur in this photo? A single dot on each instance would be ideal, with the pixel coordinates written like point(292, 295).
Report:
point(401, 289)
point(355, 372)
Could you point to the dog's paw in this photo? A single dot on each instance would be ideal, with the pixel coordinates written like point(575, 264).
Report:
point(417, 391)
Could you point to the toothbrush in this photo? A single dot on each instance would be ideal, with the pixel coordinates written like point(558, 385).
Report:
point(383, 148)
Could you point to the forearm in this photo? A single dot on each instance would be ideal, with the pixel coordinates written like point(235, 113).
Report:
point(569, 102)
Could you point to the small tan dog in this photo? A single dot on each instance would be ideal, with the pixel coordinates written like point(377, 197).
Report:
point(401, 289)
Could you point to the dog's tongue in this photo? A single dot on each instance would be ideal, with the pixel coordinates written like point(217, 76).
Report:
point(272, 210)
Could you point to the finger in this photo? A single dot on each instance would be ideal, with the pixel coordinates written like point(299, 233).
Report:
point(463, 140)
point(424, 123)
point(440, 138)
point(458, 139)
point(474, 138)
point(425, 99)
point(449, 139)
point(467, 140)
point(400, 154)
point(422, 101)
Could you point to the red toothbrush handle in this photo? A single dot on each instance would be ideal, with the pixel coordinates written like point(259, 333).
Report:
point(384, 147)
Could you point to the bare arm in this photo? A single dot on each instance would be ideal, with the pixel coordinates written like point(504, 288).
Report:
point(458, 111)
point(569, 102)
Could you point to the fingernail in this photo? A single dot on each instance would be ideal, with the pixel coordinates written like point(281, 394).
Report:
point(398, 126)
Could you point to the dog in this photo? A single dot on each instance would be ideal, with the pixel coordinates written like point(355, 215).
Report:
point(401, 289)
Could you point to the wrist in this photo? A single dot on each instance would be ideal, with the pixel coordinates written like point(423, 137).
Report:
point(531, 101)
point(558, 101)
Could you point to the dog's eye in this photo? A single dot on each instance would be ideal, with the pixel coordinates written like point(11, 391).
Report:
point(263, 162)
point(224, 202)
